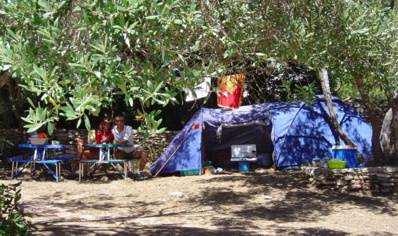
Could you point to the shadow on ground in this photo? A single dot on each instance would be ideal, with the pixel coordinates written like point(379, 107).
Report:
point(262, 204)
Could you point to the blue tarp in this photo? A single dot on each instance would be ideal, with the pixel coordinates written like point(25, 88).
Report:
point(291, 134)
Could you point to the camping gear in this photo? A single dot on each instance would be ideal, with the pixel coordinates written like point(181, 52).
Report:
point(91, 137)
point(287, 135)
point(336, 164)
point(189, 172)
point(216, 171)
point(346, 153)
point(244, 166)
point(55, 142)
point(251, 154)
point(316, 162)
point(206, 163)
point(245, 152)
point(208, 170)
point(38, 141)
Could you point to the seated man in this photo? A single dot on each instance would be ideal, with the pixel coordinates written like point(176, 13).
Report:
point(124, 134)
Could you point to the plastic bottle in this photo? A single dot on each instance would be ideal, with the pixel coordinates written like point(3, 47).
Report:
point(98, 137)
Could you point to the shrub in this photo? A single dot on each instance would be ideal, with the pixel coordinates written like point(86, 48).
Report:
point(12, 219)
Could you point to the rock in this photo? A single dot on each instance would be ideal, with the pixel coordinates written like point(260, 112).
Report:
point(390, 169)
point(394, 180)
point(339, 171)
point(385, 190)
point(355, 186)
point(178, 194)
point(355, 182)
point(319, 177)
point(348, 177)
point(359, 177)
point(328, 182)
point(395, 189)
point(369, 179)
point(387, 184)
point(341, 182)
point(383, 175)
point(383, 180)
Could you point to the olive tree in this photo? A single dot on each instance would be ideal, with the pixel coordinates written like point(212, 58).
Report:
point(76, 56)
point(353, 41)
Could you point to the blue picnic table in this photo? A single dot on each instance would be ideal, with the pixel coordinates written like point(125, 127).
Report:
point(40, 157)
point(104, 157)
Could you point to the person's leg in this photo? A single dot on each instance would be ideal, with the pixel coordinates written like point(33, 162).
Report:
point(129, 157)
point(120, 155)
point(143, 155)
point(89, 154)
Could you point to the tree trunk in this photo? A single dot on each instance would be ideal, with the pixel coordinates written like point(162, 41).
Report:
point(323, 76)
point(374, 121)
point(15, 93)
point(385, 136)
point(393, 102)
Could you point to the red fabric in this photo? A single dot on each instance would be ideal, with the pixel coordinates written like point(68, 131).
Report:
point(196, 125)
point(231, 92)
point(109, 134)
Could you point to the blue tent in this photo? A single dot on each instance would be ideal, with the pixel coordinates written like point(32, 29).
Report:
point(286, 136)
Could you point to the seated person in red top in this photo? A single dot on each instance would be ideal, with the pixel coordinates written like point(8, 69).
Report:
point(105, 132)
point(105, 136)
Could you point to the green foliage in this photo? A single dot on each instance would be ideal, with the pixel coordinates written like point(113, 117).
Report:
point(300, 93)
point(77, 55)
point(153, 152)
point(12, 218)
point(5, 144)
point(151, 121)
point(358, 40)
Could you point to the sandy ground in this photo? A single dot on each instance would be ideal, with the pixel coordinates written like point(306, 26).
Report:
point(261, 202)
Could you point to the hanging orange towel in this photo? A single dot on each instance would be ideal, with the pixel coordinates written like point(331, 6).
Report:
point(231, 92)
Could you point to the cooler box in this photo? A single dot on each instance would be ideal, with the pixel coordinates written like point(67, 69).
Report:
point(346, 153)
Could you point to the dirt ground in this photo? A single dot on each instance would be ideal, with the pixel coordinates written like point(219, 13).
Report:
point(261, 202)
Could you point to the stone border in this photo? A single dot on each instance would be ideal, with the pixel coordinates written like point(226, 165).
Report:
point(365, 179)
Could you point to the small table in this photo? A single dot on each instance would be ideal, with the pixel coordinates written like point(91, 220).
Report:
point(103, 158)
point(40, 159)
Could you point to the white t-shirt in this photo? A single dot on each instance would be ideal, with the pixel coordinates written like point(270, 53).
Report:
point(126, 134)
